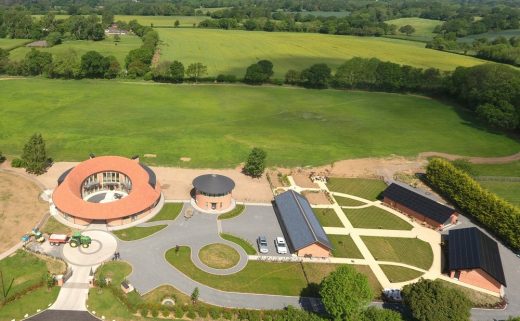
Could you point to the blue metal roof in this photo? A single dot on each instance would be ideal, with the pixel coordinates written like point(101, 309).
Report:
point(299, 221)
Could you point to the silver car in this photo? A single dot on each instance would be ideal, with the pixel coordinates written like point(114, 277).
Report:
point(281, 246)
point(262, 244)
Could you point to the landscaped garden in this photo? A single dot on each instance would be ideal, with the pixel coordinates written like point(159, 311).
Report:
point(137, 232)
point(300, 120)
point(219, 256)
point(369, 189)
point(396, 274)
point(169, 212)
point(344, 246)
point(411, 251)
point(327, 217)
point(375, 218)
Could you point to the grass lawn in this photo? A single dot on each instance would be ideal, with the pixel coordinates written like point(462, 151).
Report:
point(239, 209)
point(361, 187)
point(510, 191)
point(345, 201)
point(375, 218)
point(423, 28)
point(401, 250)
point(296, 127)
point(105, 47)
point(10, 43)
point(479, 299)
point(232, 51)
point(396, 274)
point(54, 226)
point(344, 246)
point(219, 256)
point(137, 233)
point(248, 247)
point(26, 269)
point(163, 21)
point(327, 217)
point(508, 169)
point(169, 212)
point(29, 303)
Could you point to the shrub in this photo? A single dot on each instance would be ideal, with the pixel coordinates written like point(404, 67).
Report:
point(191, 314)
point(2, 157)
point(18, 163)
point(165, 312)
point(214, 313)
point(155, 312)
point(179, 312)
point(143, 311)
point(202, 311)
point(494, 213)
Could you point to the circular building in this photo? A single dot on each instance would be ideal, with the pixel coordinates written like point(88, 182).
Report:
point(107, 189)
point(213, 192)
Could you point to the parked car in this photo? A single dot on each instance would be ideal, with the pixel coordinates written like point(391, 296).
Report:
point(281, 246)
point(392, 295)
point(262, 244)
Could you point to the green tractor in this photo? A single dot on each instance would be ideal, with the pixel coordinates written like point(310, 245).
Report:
point(77, 239)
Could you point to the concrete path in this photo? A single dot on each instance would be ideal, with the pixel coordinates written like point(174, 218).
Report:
point(74, 293)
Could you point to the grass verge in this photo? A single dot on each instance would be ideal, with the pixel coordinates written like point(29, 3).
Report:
point(397, 274)
point(239, 209)
point(169, 212)
point(248, 247)
point(137, 233)
point(375, 218)
point(410, 251)
point(219, 256)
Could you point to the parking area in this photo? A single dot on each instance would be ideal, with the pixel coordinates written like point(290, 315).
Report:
point(255, 221)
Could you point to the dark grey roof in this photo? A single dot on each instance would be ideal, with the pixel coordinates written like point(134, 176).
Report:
point(419, 203)
point(299, 221)
point(213, 184)
point(470, 248)
point(64, 175)
point(63, 315)
point(152, 179)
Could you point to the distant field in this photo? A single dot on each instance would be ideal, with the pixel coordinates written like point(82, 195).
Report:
point(232, 51)
point(508, 169)
point(105, 47)
point(10, 43)
point(492, 35)
point(163, 21)
point(338, 14)
point(423, 28)
point(510, 191)
point(217, 125)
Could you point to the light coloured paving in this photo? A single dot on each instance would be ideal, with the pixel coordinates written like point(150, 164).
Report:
point(101, 249)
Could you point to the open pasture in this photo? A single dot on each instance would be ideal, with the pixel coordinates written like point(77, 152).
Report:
point(232, 51)
point(163, 21)
point(217, 125)
point(491, 35)
point(8, 44)
point(105, 47)
point(423, 28)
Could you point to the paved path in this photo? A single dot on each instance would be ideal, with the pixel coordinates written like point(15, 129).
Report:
point(74, 293)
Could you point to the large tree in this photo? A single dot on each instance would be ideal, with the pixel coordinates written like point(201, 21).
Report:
point(433, 301)
point(408, 29)
point(196, 70)
point(66, 65)
point(94, 65)
point(255, 164)
point(38, 62)
point(344, 293)
point(177, 71)
point(317, 76)
point(35, 156)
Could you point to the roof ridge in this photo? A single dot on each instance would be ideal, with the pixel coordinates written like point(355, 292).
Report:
point(305, 216)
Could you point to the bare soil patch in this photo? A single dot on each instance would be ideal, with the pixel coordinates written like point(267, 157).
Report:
point(317, 198)
point(302, 179)
point(20, 208)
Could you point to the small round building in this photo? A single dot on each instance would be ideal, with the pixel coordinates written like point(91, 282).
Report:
point(108, 189)
point(213, 192)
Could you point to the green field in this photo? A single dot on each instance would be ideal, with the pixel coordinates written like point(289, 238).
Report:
point(510, 191)
point(232, 51)
point(163, 21)
point(410, 251)
point(396, 274)
point(503, 187)
point(7, 44)
point(217, 125)
point(345, 201)
point(423, 28)
point(361, 187)
point(491, 35)
point(344, 246)
point(375, 218)
point(105, 47)
point(508, 169)
point(327, 217)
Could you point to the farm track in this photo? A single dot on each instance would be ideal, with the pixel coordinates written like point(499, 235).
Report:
point(474, 160)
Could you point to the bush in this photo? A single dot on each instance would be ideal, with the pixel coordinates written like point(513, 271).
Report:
point(191, 314)
point(494, 213)
point(214, 313)
point(155, 312)
point(2, 158)
point(226, 78)
point(227, 314)
point(165, 312)
point(143, 311)
point(202, 311)
point(179, 312)
point(18, 163)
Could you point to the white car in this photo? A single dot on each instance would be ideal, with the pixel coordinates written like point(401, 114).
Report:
point(281, 246)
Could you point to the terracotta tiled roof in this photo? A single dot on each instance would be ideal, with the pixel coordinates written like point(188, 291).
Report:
point(67, 196)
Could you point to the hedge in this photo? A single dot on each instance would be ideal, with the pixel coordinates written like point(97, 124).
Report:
point(494, 213)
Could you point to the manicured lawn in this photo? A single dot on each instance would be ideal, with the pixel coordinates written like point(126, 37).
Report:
point(219, 256)
point(296, 127)
point(169, 212)
point(256, 277)
point(248, 247)
point(510, 191)
point(10, 43)
point(375, 218)
point(25, 269)
point(345, 201)
point(423, 28)
point(239, 209)
point(327, 217)
point(401, 250)
point(105, 47)
point(508, 169)
point(396, 274)
point(137, 233)
point(344, 246)
point(361, 187)
point(232, 51)
point(38, 299)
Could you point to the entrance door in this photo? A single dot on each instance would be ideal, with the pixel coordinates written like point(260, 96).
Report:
point(213, 206)
point(457, 275)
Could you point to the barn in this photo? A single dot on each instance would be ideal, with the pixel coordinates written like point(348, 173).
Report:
point(412, 202)
point(305, 235)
